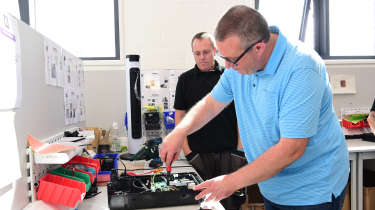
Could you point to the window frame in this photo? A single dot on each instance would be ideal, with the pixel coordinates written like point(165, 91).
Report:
point(25, 17)
point(321, 29)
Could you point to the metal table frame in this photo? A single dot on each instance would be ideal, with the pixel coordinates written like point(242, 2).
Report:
point(359, 150)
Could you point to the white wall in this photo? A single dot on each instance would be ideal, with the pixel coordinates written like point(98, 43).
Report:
point(364, 72)
point(160, 32)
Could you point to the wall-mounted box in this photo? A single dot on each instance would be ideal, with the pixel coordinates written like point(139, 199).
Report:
point(342, 83)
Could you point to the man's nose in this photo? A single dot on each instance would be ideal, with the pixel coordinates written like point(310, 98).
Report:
point(202, 56)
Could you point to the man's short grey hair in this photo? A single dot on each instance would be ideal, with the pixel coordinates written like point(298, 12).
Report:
point(204, 35)
point(247, 23)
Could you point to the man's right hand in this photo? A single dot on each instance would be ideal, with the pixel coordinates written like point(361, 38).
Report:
point(171, 147)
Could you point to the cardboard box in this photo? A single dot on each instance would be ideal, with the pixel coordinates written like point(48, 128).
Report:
point(346, 205)
point(98, 135)
point(254, 200)
point(253, 206)
point(369, 198)
point(368, 190)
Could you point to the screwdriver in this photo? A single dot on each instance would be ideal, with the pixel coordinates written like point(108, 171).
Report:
point(169, 169)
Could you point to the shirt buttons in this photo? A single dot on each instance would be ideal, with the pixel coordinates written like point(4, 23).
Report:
point(254, 85)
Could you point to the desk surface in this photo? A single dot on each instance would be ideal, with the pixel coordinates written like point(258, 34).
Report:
point(358, 145)
point(100, 202)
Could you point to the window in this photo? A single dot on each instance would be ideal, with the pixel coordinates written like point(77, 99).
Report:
point(286, 15)
point(337, 29)
point(352, 24)
point(87, 29)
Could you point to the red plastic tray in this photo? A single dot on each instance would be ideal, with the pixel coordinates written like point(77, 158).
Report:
point(92, 163)
point(364, 123)
point(60, 190)
point(92, 178)
point(350, 125)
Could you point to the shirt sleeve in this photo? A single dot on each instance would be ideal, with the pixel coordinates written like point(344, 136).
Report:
point(222, 91)
point(301, 104)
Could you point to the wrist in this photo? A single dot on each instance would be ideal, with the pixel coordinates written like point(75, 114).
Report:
point(235, 180)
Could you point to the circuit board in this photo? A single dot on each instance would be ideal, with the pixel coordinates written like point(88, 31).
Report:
point(152, 191)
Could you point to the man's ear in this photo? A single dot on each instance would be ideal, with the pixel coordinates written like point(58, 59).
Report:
point(215, 51)
point(260, 47)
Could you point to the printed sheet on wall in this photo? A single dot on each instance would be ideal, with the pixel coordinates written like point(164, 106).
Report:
point(158, 87)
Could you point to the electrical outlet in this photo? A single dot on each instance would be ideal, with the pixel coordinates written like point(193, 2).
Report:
point(343, 83)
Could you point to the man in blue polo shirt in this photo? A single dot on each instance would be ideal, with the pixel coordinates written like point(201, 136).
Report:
point(290, 133)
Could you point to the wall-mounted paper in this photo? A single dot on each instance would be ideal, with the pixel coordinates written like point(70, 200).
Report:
point(53, 63)
point(10, 74)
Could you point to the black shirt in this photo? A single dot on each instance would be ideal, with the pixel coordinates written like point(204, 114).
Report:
point(218, 135)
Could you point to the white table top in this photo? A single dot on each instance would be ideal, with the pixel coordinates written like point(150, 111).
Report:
point(358, 145)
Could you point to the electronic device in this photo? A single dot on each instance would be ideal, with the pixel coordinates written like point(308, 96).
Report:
point(152, 191)
point(133, 103)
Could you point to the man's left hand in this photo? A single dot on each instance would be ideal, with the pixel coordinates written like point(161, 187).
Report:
point(217, 188)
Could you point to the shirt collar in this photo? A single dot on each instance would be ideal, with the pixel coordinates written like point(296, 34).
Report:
point(277, 52)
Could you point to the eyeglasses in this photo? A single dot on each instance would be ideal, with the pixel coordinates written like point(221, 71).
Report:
point(235, 62)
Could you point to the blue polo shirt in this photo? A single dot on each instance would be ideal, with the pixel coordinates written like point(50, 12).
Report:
point(290, 98)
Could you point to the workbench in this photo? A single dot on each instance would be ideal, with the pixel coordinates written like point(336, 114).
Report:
point(100, 201)
point(359, 150)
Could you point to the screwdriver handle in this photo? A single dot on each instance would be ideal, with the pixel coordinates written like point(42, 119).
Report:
point(169, 169)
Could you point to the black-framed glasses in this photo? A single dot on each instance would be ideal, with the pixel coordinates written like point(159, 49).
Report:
point(235, 62)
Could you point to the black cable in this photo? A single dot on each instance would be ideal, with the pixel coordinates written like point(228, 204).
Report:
point(123, 164)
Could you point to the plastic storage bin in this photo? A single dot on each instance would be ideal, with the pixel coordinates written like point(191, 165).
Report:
point(350, 125)
point(364, 123)
point(60, 190)
point(105, 172)
point(91, 163)
point(68, 173)
point(169, 121)
point(91, 175)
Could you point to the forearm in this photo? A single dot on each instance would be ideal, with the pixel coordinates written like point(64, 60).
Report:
point(267, 165)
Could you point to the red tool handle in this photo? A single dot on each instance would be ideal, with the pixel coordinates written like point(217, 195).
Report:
point(169, 169)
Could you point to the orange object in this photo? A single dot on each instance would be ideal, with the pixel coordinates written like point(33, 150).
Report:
point(45, 148)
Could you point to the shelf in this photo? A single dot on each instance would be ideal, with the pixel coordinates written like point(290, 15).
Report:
point(63, 157)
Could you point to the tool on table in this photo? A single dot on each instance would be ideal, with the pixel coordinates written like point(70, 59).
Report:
point(150, 150)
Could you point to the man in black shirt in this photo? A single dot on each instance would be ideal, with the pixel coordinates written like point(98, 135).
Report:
point(212, 149)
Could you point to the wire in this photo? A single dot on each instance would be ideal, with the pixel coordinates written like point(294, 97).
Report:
point(123, 164)
point(143, 185)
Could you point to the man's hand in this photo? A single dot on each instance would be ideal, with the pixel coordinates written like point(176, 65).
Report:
point(171, 147)
point(371, 121)
point(217, 188)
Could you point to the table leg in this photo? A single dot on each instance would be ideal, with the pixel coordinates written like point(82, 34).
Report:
point(360, 183)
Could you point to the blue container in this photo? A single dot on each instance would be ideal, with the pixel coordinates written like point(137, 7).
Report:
point(104, 157)
point(169, 121)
